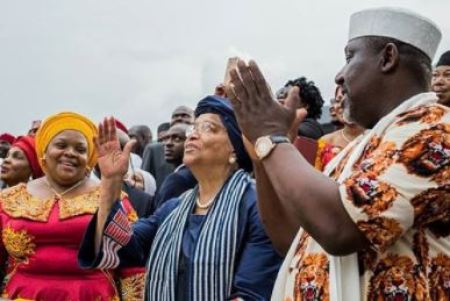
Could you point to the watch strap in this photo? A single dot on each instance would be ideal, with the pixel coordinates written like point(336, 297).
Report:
point(276, 139)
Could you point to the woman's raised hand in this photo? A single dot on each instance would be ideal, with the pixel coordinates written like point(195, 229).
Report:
point(112, 160)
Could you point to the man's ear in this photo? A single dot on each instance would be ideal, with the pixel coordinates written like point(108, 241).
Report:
point(389, 58)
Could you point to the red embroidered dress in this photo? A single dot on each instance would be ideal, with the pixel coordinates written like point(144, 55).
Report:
point(325, 153)
point(40, 241)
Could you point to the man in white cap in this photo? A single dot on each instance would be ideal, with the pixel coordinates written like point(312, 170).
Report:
point(376, 226)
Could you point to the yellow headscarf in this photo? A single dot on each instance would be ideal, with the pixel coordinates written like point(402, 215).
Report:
point(55, 124)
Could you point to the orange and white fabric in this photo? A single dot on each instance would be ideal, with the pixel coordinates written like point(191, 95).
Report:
point(395, 185)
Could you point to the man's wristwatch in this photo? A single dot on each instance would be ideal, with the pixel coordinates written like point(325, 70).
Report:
point(265, 144)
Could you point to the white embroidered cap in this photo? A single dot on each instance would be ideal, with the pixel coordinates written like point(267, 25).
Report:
point(397, 23)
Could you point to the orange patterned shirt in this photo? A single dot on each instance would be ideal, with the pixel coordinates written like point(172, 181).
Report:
point(398, 194)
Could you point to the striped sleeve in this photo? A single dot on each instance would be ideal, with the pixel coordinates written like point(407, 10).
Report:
point(117, 233)
point(125, 242)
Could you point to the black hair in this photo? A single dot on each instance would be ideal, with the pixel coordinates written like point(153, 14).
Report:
point(418, 63)
point(310, 95)
point(165, 126)
point(444, 60)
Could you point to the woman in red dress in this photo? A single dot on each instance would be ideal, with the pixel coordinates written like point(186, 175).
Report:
point(330, 145)
point(43, 222)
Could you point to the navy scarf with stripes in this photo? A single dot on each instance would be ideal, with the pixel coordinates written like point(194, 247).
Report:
point(214, 252)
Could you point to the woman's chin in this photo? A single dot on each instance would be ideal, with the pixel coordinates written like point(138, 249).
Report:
point(189, 159)
point(67, 178)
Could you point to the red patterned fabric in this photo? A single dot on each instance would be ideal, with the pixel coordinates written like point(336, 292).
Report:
point(325, 152)
point(41, 247)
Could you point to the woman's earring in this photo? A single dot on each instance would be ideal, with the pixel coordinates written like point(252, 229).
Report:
point(232, 160)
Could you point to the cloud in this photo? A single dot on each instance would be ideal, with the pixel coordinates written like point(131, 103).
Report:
point(138, 60)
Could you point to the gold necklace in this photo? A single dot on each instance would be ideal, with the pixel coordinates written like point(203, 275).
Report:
point(345, 137)
point(60, 194)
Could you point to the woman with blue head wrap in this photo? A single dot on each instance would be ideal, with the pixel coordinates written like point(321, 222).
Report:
point(208, 244)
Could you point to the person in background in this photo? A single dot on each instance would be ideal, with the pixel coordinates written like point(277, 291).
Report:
point(43, 222)
point(376, 225)
point(143, 136)
point(153, 160)
point(440, 80)
point(311, 100)
point(174, 143)
point(208, 244)
point(336, 113)
point(35, 124)
point(6, 140)
point(21, 163)
point(162, 130)
point(142, 180)
point(182, 114)
point(332, 144)
point(182, 178)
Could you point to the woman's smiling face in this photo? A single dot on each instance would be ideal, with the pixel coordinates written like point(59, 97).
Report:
point(66, 157)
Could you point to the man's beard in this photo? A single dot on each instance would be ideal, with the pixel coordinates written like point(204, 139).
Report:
point(346, 116)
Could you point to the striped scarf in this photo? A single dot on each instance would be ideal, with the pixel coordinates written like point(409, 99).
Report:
point(214, 252)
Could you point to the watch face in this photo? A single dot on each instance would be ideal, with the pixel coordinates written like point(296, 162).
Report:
point(263, 147)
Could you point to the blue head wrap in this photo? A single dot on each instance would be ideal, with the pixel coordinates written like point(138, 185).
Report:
point(222, 107)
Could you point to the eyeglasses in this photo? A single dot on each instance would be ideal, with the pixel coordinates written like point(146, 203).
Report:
point(204, 127)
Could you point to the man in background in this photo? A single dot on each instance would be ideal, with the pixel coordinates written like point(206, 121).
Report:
point(153, 159)
point(440, 81)
point(161, 131)
point(143, 136)
point(181, 179)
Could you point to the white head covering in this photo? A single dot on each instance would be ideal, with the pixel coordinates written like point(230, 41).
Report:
point(135, 162)
point(397, 23)
point(149, 182)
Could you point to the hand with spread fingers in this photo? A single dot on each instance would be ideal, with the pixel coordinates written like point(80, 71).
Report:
point(257, 112)
point(112, 160)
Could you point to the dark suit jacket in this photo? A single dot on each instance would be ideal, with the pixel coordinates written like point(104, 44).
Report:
point(142, 202)
point(154, 162)
point(174, 185)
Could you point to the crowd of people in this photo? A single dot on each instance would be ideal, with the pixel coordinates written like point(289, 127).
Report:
point(247, 196)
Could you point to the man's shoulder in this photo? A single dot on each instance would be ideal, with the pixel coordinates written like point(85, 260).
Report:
point(428, 114)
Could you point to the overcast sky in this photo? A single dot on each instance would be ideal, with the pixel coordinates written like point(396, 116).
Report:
point(138, 60)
